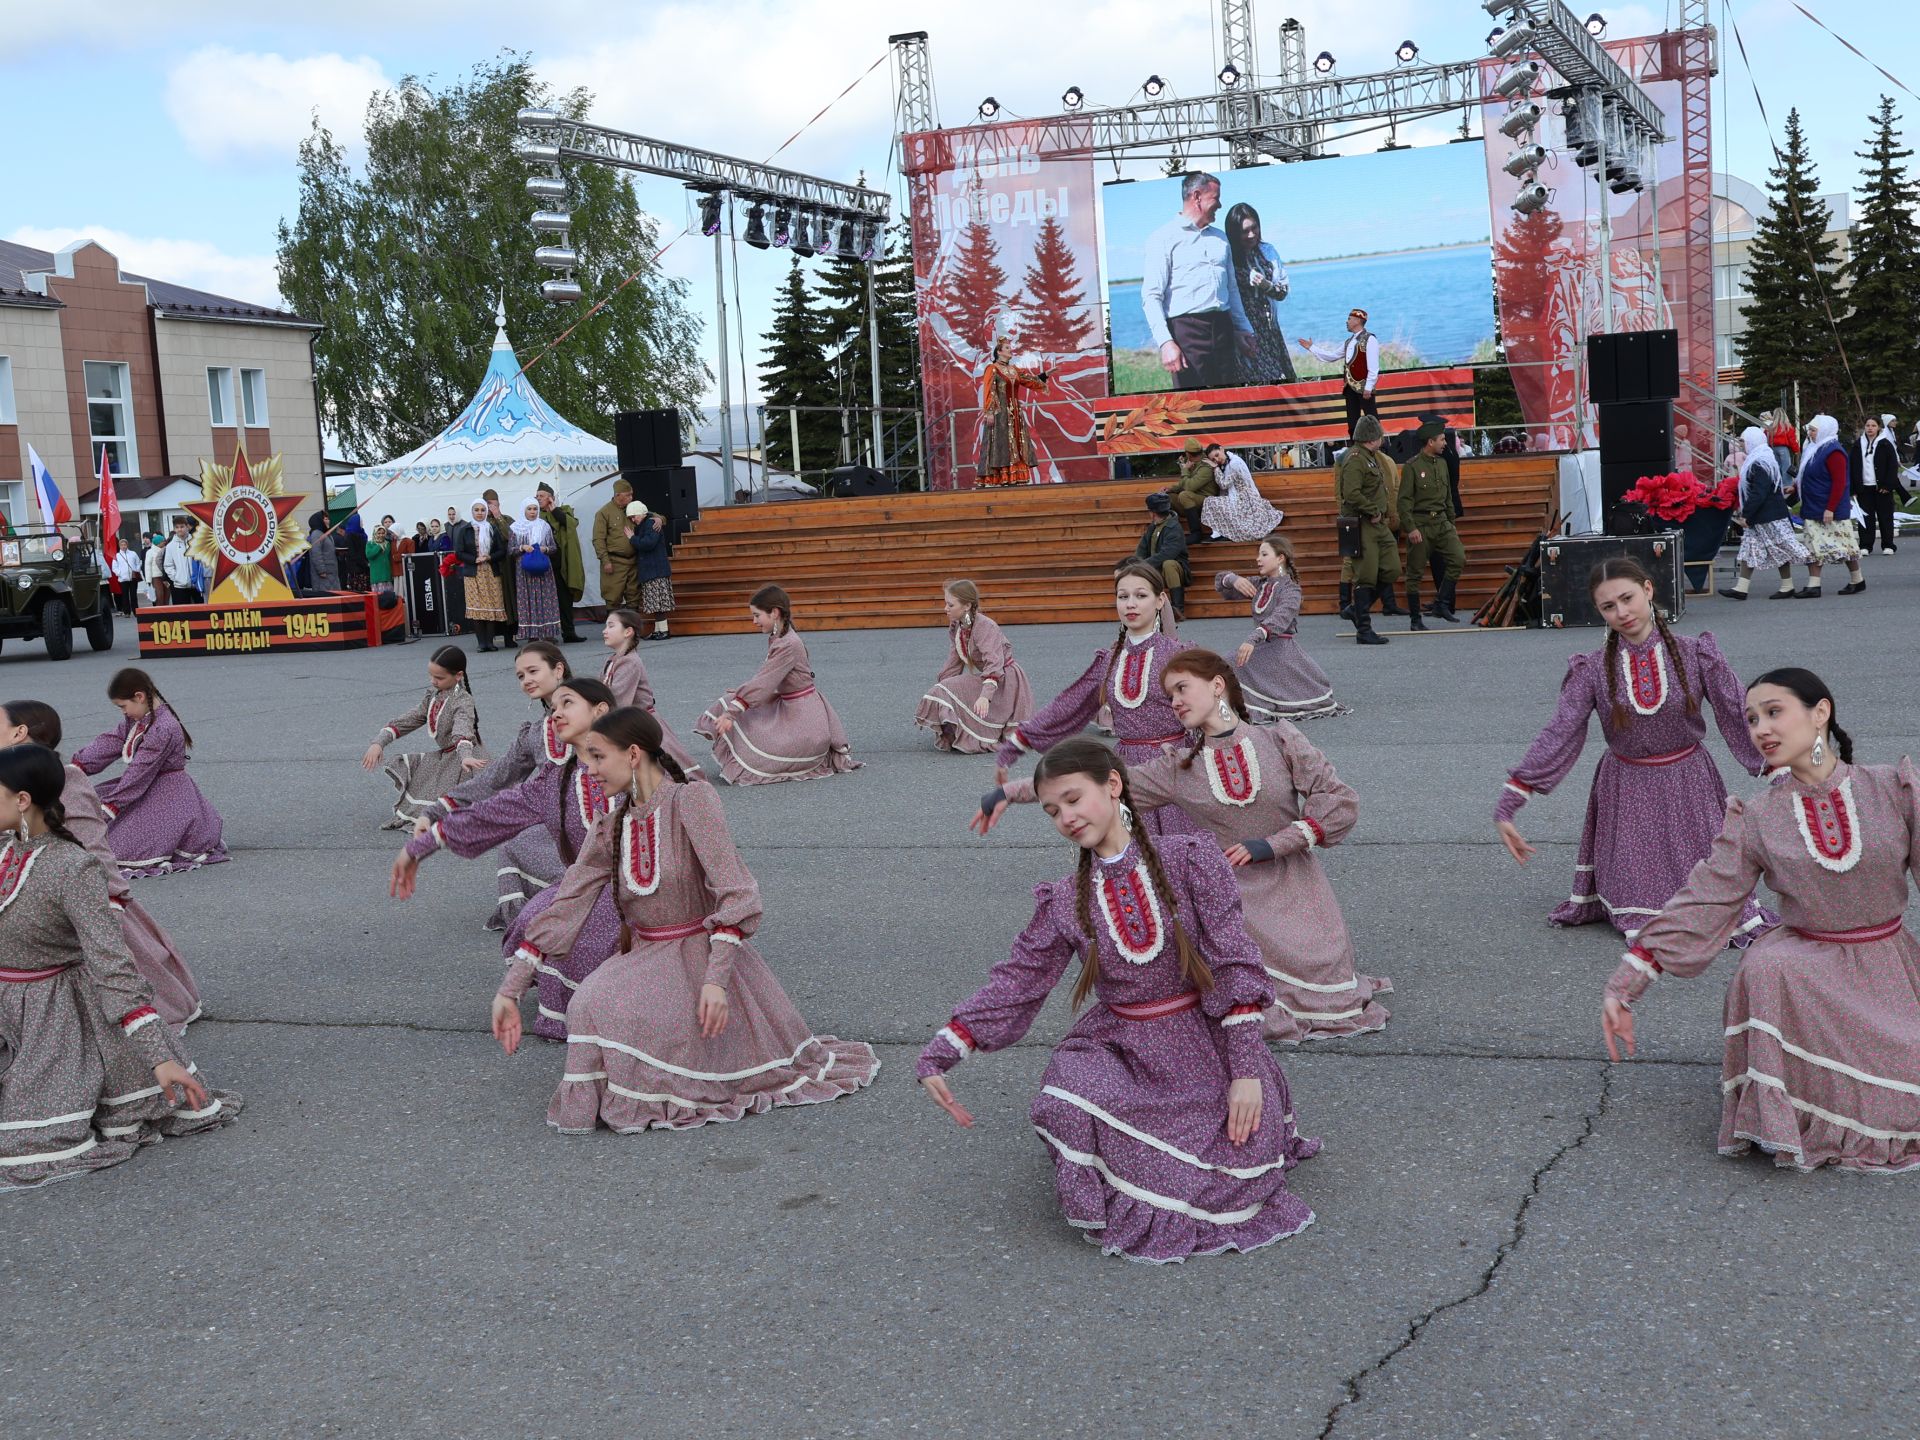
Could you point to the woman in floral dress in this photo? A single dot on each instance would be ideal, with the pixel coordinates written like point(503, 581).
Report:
point(452, 721)
point(981, 692)
point(1006, 448)
point(777, 726)
point(158, 822)
point(1281, 681)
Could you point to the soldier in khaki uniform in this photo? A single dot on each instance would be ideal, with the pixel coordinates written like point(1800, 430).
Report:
point(1426, 519)
point(1362, 485)
point(1198, 480)
point(619, 583)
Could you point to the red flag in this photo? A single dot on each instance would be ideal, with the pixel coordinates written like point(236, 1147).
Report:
point(109, 519)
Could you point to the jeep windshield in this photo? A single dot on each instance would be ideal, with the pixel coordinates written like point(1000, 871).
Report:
point(32, 548)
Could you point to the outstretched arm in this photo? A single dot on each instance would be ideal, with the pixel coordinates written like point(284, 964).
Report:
point(1729, 700)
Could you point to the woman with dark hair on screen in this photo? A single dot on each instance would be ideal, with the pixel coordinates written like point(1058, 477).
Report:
point(1263, 285)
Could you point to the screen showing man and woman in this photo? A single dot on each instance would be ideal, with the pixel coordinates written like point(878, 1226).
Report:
point(1274, 274)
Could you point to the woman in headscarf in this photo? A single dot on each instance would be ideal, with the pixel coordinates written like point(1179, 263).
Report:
point(323, 562)
point(1768, 541)
point(1826, 508)
point(354, 570)
point(1263, 285)
point(1875, 460)
point(481, 550)
point(539, 597)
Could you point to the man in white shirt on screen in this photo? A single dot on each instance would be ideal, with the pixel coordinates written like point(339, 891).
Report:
point(1189, 294)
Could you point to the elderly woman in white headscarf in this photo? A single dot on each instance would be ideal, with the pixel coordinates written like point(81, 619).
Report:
point(1826, 508)
point(539, 596)
point(480, 550)
point(1876, 467)
point(1768, 542)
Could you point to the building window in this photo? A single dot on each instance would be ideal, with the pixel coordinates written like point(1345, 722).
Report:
point(13, 498)
point(1728, 357)
point(8, 416)
point(1730, 282)
point(220, 394)
point(253, 396)
point(110, 415)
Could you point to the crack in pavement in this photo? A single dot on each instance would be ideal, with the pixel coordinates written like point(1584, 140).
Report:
point(1516, 1235)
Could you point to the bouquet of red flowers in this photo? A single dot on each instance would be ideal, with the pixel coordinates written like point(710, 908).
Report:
point(1723, 496)
point(1668, 497)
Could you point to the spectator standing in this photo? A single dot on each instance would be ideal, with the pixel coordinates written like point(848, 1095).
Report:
point(176, 562)
point(352, 556)
point(153, 565)
point(653, 566)
point(509, 573)
point(323, 559)
point(619, 584)
point(570, 573)
point(533, 548)
point(1190, 295)
point(482, 551)
point(1873, 464)
point(380, 561)
point(126, 569)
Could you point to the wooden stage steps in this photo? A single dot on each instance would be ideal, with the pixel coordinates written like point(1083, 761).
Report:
point(1044, 553)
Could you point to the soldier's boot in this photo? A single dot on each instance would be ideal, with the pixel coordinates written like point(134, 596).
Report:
point(1196, 535)
point(1346, 600)
point(1413, 606)
point(1363, 632)
point(1388, 604)
point(1443, 603)
point(1177, 596)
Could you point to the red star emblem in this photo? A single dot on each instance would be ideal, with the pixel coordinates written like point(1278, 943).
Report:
point(246, 528)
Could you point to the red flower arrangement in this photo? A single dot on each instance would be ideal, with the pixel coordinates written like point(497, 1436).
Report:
point(1675, 497)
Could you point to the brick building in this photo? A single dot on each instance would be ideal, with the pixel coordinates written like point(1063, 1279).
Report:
point(159, 376)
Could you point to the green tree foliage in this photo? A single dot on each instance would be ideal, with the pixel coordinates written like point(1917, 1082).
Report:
point(1789, 338)
point(1882, 276)
point(403, 265)
point(793, 372)
point(843, 307)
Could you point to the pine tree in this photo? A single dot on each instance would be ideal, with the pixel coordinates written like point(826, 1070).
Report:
point(973, 295)
point(1055, 318)
point(795, 372)
point(844, 320)
point(1789, 339)
point(1882, 276)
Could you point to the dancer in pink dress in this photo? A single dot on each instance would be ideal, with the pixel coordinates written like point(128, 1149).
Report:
point(1280, 680)
point(1270, 800)
point(1125, 677)
point(626, 676)
point(777, 726)
point(1167, 1118)
point(452, 722)
point(686, 1025)
point(158, 822)
point(565, 802)
point(1821, 1064)
point(1657, 796)
point(175, 995)
point(981, 692)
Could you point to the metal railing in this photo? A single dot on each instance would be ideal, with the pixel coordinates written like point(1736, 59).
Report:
point(902, 432)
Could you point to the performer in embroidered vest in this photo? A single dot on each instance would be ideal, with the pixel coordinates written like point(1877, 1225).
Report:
point(1006, 446)
point(1426, 519)
point(1359, 362)
point(1167, 1118)
point(1821, 1064)
point(626, 675)
point(1270, 800)
point(1657, 795)
point(175, 995)
point(564, 801)
point(158, 822)
point(452, 722)
point(1280, 680)
point(777, 726)
point(686, 1024)
point(92, 1072)
point(981, 692)
point(1126, 678)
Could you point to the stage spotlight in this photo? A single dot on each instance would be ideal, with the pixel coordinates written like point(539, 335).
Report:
point(1513, 41)
point(1530, 199)
point(823, 233)
point(1520, 121)
point(1596, 24)
point(844, 247)
point(1229, 77)
point(1518, 81)
point(802, 242)
point(1323, 62)
point(1407, 53)
point(1154, 86)
point(756, 235)
point(559, 292)
point(869, 239)
point(1499, 8)
point(1526, 159)
point(782, 224)
point(710, 214)
point(989, 108)
point(1074, 98)
point(1628, 179)
point(1493, 35)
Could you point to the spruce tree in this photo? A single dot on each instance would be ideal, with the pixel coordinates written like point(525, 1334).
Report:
point(1882, 277)
point(1789, 338)
point(1055, 318)
point(844, 323)
point(795, 372)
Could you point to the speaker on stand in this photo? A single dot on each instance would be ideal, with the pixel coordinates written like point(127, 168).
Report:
point(648, 444)
point(1633, 378)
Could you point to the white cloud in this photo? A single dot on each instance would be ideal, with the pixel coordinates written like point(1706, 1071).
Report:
point(193, 263)
point(230, 105)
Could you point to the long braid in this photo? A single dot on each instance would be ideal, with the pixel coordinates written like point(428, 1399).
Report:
point(1083, 911)
point(1617, 708)
point(565, 847)
point(1113, 663)
point(1672, 643)
point(1193, 968)
point(54, 812)
point(155, 700)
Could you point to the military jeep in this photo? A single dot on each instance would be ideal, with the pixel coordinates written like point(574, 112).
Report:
point(49, 582)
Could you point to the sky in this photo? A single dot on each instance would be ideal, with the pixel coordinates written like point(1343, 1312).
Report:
point(168, 132)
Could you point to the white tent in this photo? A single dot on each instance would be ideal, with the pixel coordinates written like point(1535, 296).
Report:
point(507, 439)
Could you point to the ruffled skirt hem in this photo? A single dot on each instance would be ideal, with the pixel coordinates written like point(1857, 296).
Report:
point(628, 1096)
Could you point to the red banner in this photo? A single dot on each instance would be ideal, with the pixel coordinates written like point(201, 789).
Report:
point(1276, 414)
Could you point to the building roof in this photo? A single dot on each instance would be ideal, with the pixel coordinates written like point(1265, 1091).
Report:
point(18, 263)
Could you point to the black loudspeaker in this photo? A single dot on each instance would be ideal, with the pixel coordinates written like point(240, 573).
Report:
point(1639, 432)
point(1615, 480)
point(1633, 365)
point(647, 439)
point(669, 491)
point(1663, 364)
point(851, 482)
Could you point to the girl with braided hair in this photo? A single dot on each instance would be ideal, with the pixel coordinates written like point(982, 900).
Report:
point(685, 1025)
point(567, 801)
point(92, 1072)
point(981, 692)
point(777, 726)
point(451, 719)
point(1270, 800)
point(1657, 795)
point(158, 822)
point(1167, 1118)
point(1125, 679)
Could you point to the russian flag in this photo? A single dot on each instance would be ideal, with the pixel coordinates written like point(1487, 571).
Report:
point(53, 505)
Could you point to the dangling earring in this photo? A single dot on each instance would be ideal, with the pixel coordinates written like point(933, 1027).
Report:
point(1126, 818)
point(1226, 711)
point(20, 829)
point(1819, 751)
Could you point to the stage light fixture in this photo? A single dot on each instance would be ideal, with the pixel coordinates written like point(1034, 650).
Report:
point(823, 233)
point(547, 187)
point(1407, 53)
point(1229, 77)
point(869, 239)
point(551, 221)
point(1529, 200)
point(559, 292)
point(1323, 62)
point(1153, 87)
point(710, 213)
point(1521, 120)
point(802, 242)
point(1074, 98)
point(756, 235)
point(989, 108)
point(782, 224)
point(534, 116)
point(844, 246)
point(1493, 35)
point(1499, 8)
point(1628, 179)
point(1518, 81)
point(1513, 41)
point(1526, 159)
point(1596, 24)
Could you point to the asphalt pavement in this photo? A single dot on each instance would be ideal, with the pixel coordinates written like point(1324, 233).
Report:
point(1514, 1238)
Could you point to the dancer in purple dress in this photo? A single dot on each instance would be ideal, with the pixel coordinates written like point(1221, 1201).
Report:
point(1657, 796)
point(1167, 1118)
point(158, 822)
point(1821, 1064)
point(1126, 678)
point(626, 676)
point(175, 995)
point(567, 801)
point(686, 1025)
point(981, 692)
point(1280, 680)
point(1270, 800)
point(92, 1073)
point(452, 721)
point(777, 726)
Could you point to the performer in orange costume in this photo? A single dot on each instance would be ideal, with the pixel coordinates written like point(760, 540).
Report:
point(1006, 449)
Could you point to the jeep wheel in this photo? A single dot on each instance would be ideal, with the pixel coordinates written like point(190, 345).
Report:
point(100, 628)
point(56, 628)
